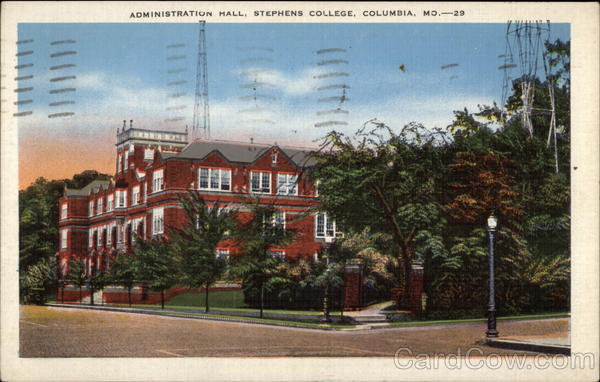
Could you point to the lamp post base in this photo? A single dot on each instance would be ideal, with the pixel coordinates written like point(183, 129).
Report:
point(491, 333)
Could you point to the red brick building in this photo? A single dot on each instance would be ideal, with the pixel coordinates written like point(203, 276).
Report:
point(155, 168)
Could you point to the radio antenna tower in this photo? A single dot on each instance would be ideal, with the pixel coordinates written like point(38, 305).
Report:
point(526, 40)
point(201, 125)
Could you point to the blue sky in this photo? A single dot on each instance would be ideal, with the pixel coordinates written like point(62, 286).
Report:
point(122, 73)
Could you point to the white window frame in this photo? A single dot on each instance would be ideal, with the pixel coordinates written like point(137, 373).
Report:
point(135, 195)
point(121, 196)
point(148, 154)
point(261, 182)
point(64, 211)
point(99, 237)
point(158, 221)
point(126, 161)
point(91, 208)
point(119, 163)
point(63, 238)
point(110, 202)
point(289, 180)
point(158, 183)
point(91, 237)
point(109, 235)
point(327, 222)
point(222, 253)
point(99, 205)
point(215, 177)
point(277, 254)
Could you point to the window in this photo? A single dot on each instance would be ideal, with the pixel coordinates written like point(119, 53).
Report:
point(126, 161)
point(158, 215)
point(99, 237)
point(109, 235)
point(120, 233)
point(145, 192)
point(215, 179)
point(324, 226)
point(63, 211)
point(222, 254)
point(63, 238)
point(91, 208)
point(317, 183)
point(91, 238)
point(99, 203)
point(135, 196)
point(121, 198)
point(277, 254)
point(279, 220)
point(119, 161)
point(110, 199)
point(149, 154)
point(157, 181)
point(260, 182)
point(286, 184)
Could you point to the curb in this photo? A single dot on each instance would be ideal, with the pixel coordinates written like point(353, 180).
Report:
point(206, 317)
point(528, 346)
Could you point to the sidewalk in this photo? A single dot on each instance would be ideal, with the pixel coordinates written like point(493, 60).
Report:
point(539, 344)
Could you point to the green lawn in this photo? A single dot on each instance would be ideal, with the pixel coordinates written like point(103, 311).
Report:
point(221, 299)
point(521, 317)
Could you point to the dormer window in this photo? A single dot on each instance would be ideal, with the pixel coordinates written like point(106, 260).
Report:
point(63, 211)
point(274, 158)
point(99, 206)
point(260, 182)
point(91, 208)
point(214, 179)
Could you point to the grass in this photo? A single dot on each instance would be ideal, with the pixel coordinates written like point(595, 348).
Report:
point(220, 299)
point(521, 317)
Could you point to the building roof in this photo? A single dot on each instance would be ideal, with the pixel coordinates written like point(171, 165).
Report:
point(243, 152)
point(85, 191)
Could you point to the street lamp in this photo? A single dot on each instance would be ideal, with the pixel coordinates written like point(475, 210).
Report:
point(492, 222)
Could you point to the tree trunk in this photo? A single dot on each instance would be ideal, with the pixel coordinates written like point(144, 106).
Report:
point(129, 295)
point(162, 299)
point(80, 293)
point(262, 299)
point(407, 270)
point(206, 299)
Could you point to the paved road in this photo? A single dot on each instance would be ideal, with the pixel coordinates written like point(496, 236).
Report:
point(60, 332)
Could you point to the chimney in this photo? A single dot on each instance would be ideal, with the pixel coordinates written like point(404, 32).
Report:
point(131, 123)
point(124, 124)
point(251, 141)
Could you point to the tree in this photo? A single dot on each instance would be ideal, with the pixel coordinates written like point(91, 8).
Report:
point(77, 274)
point(157, 264)
point(38, 216)
point(122, 271)
point(197, 242)
point(387, 181)
point(260, 233)
point(39, 281)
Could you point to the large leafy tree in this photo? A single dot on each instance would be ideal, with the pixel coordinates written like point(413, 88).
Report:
point(157, 265)
point(386, 181)
point(258, 234)
point(122, 271)
point(197, 242)
point(77, 274)
point(39, 281)
point(38, 216)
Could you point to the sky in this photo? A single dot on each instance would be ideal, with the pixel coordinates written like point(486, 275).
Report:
point(265, 82)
